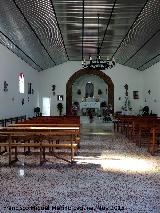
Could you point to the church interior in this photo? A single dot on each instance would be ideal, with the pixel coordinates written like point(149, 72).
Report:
point(80, 106)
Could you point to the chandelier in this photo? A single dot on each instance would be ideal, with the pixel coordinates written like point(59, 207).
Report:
point(98, 63)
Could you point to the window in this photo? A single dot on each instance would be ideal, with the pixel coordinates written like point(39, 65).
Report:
point(21, 83)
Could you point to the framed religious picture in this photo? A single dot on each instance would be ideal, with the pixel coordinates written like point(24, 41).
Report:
point(135, 95)
point(59, 97)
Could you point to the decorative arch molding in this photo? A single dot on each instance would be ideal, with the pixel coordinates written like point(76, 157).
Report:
point(82, 72)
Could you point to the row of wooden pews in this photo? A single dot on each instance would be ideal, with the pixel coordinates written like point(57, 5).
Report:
point(50, 135)
point(143, 130)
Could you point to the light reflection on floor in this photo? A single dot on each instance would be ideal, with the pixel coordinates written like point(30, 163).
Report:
point(113, 159)
point(100, 133)
point(121, 164)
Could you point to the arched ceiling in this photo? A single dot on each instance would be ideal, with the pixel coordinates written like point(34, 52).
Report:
point(45, 33)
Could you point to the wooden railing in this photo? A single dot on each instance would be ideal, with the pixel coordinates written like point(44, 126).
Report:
point(5, 122)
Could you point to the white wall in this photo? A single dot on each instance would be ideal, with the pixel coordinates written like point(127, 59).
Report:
point(120, 76)
point(10, 102)
point(151, 78)
point(11, 66)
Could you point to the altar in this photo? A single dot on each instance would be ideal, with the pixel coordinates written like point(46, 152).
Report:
point(93, 105)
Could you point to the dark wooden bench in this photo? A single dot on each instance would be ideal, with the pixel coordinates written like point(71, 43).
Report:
point(42, 138)
point(154, 143)
point(77, 138)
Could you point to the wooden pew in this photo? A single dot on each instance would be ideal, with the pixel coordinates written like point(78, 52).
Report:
point(40, 137)
point(127, 123)
point(54, 120)
point(138, 129)
point(3, 140)
point(122, 122)
point(77, 138)
point(154, 144)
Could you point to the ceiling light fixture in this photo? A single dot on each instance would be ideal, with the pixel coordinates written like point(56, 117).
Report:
point(98, 63)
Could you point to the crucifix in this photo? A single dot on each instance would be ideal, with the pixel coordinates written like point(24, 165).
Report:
point(126, 88)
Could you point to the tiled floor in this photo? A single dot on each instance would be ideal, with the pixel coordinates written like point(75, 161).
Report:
point(110, 175)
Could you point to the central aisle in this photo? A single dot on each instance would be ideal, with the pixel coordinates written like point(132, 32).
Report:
point(110, 173)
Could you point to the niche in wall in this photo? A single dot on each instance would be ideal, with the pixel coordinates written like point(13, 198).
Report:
point(93, 88)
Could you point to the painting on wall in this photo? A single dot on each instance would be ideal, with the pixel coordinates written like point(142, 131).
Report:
point(135, 95)
point(59, 97)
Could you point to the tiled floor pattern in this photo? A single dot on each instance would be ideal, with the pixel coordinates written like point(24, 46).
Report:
point(111, 175)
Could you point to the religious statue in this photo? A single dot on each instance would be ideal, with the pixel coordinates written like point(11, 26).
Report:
point(89, 90)
point(127, 106)
point(126, 88)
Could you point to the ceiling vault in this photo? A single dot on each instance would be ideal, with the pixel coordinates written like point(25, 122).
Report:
point(59, 28)
point(46, 33)
point(33, 30)
point(82, 28)
point(19, 49)
point(130, 27)
point(142, 46)
point(107, 25)
point(149, 61)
